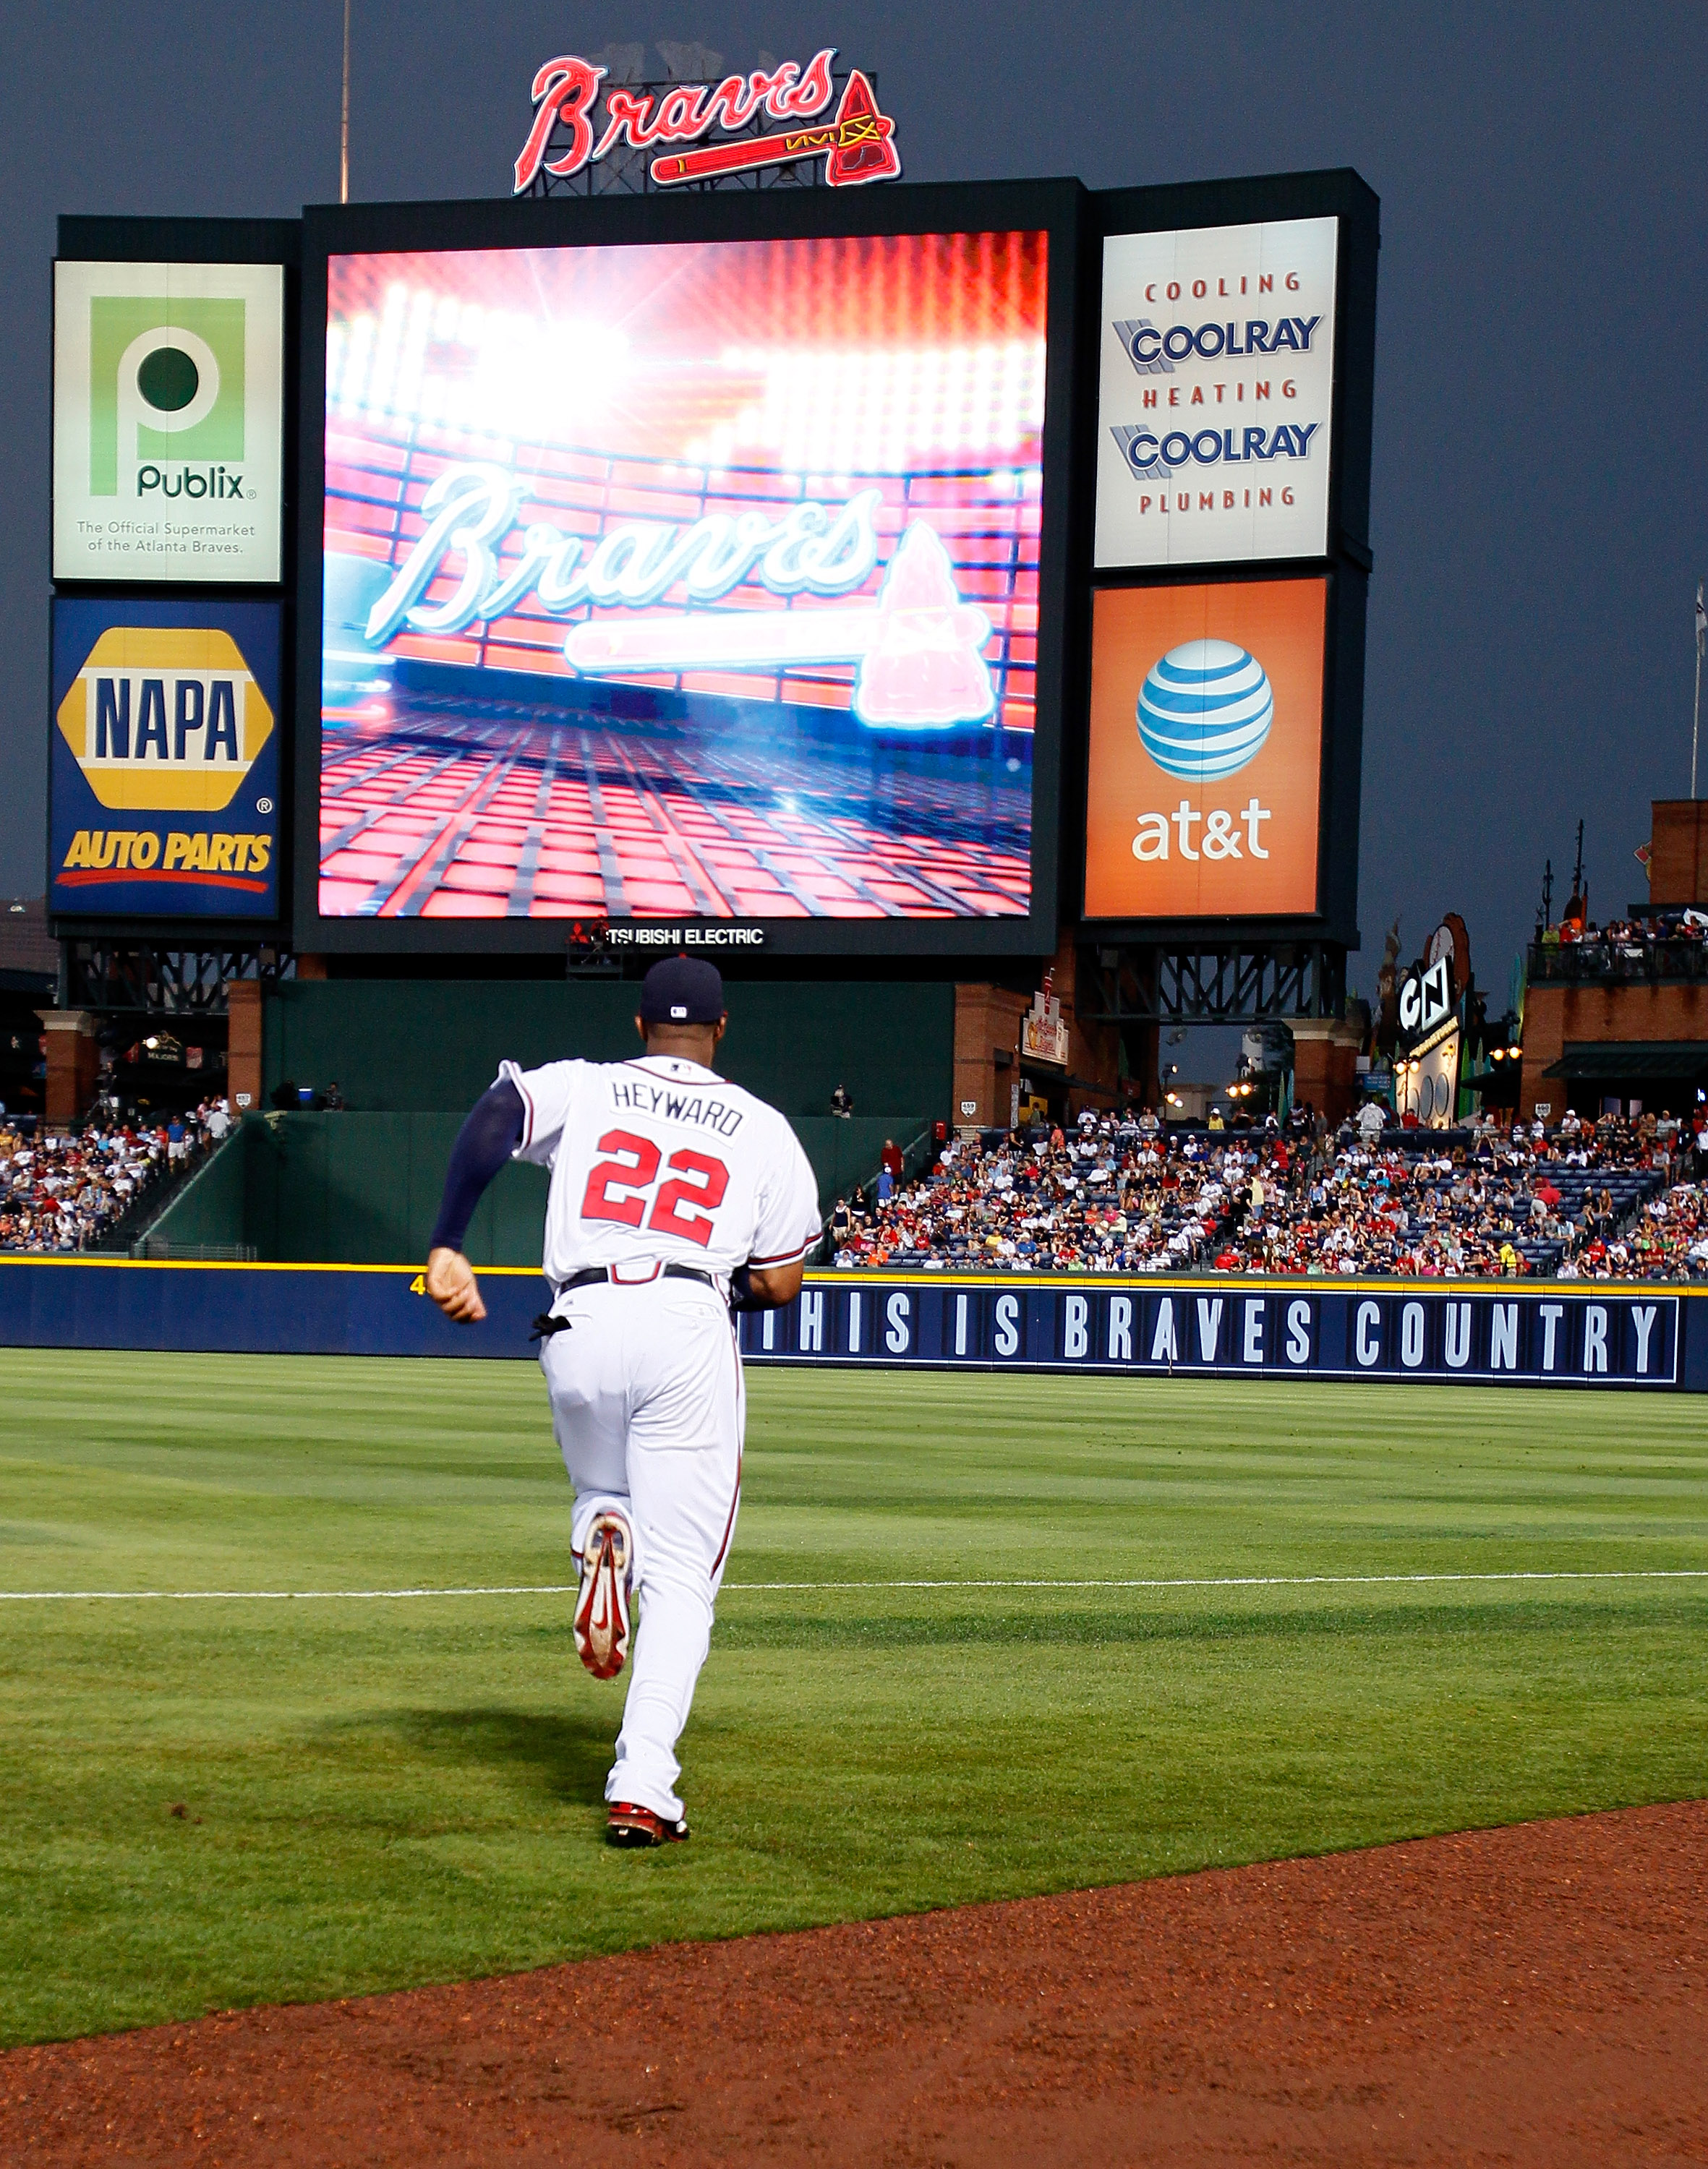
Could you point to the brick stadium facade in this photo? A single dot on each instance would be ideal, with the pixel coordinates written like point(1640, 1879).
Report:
point(1631, 1021)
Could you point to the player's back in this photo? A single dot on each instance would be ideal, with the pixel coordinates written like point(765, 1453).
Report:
point(657, 1160)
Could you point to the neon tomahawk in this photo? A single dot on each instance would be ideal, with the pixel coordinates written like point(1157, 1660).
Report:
point(858, 144)
point(918, 645)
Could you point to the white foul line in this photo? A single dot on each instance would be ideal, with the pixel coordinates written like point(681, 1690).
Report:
point(767, 1588)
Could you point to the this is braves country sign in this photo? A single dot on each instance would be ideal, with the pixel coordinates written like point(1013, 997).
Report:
point(579, 120)
point(1216, 394)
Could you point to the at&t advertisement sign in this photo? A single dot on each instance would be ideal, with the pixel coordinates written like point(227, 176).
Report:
point(165, 769)
point(168, 430)
point(1206, 750)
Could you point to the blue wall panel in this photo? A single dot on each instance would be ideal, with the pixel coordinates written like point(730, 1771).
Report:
point(1646, 1337)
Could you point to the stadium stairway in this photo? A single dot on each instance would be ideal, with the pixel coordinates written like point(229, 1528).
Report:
point(123, 1237)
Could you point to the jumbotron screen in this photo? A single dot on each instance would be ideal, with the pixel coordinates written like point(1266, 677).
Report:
point(696, 579)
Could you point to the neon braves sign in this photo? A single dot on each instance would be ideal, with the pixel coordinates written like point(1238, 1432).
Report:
point(857, 143)
point(917, 644)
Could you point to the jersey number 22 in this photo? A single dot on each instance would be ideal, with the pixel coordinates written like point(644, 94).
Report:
point(617, 1188)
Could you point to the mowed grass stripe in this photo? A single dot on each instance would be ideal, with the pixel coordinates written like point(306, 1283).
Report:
point(1147, 1625)
point(773, 1588)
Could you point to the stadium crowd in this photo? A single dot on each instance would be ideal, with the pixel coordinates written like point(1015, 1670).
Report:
point(66, 1192)
point(1606, 1200)
point(1675, 942)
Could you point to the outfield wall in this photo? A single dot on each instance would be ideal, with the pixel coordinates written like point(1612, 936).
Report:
point(432, 1046)
point(1550, 1333)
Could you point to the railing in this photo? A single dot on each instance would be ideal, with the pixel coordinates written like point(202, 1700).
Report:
point(1603, 962)
point(199, 1253)
point(914, 1155)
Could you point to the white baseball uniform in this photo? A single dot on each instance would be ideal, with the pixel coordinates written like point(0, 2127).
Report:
point(658, 1162)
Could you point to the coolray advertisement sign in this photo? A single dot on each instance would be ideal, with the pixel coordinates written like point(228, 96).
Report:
point(164, 776)
point(167, 421)
point(1216, 394)
point(1610, 1336)
point(684, 581)
point(1206, 750)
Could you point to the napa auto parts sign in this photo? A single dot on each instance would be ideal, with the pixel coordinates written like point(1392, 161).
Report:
point(707, 131)
point(165, 769)
point(1216, 394)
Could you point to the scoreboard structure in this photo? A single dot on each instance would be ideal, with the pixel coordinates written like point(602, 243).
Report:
point(846, 571)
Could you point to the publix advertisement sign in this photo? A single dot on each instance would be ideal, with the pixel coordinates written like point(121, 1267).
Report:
point(1216, 394)
point(164, 785)
point(167, 421)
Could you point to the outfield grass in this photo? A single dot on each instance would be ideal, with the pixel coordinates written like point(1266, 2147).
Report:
point(382, 1793)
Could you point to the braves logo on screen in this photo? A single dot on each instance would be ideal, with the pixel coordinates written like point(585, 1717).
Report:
point(857, 143)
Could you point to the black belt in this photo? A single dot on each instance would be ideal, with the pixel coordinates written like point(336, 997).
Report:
point(548, 1323)
point(589, 1274)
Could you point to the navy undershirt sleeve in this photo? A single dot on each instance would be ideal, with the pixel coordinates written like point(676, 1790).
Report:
point(485, 1142)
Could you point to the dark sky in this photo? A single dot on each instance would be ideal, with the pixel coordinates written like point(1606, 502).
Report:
point(1542, 462)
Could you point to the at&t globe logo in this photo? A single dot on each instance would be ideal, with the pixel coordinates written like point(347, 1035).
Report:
point(1205, 710)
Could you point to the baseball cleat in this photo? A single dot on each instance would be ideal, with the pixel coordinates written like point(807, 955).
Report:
point(601, 1607)
point(629, 1825)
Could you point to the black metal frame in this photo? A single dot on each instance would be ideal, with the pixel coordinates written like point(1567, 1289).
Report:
point(1055, 207)
point(1346, 561)
point(138, 978)
point(122, 240)
point(1230, 982)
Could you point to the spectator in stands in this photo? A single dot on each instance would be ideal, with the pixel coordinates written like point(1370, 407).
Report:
point(63, 1193)
point(332, 1099)
point(841, 1103)
point(891, 1160)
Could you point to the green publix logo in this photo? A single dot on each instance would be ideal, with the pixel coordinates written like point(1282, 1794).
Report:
point(191, 482)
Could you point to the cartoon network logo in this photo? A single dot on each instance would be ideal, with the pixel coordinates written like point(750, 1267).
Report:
point(165, 718)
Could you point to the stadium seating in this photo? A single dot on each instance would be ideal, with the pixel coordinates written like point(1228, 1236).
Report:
point(1109, 1198)
point(68, 1193)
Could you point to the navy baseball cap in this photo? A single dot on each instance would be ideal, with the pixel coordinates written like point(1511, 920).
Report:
point(682, 990)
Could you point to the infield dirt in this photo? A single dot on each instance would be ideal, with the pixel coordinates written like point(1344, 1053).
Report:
point(1532, 1996)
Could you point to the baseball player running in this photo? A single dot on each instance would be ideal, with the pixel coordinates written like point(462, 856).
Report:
point(674, 1196)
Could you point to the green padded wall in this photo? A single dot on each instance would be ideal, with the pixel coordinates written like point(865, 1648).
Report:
point(212, 1206)
point(411, 1056)
point(402, 1045)
point(363, 1188)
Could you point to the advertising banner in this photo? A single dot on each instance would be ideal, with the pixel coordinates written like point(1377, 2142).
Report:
point(164, 777)
point(1611, 1337)
point(683, 581)
point(1625, 1336)
point(1206, 749)
point(167, 421)
point(1216, 394)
